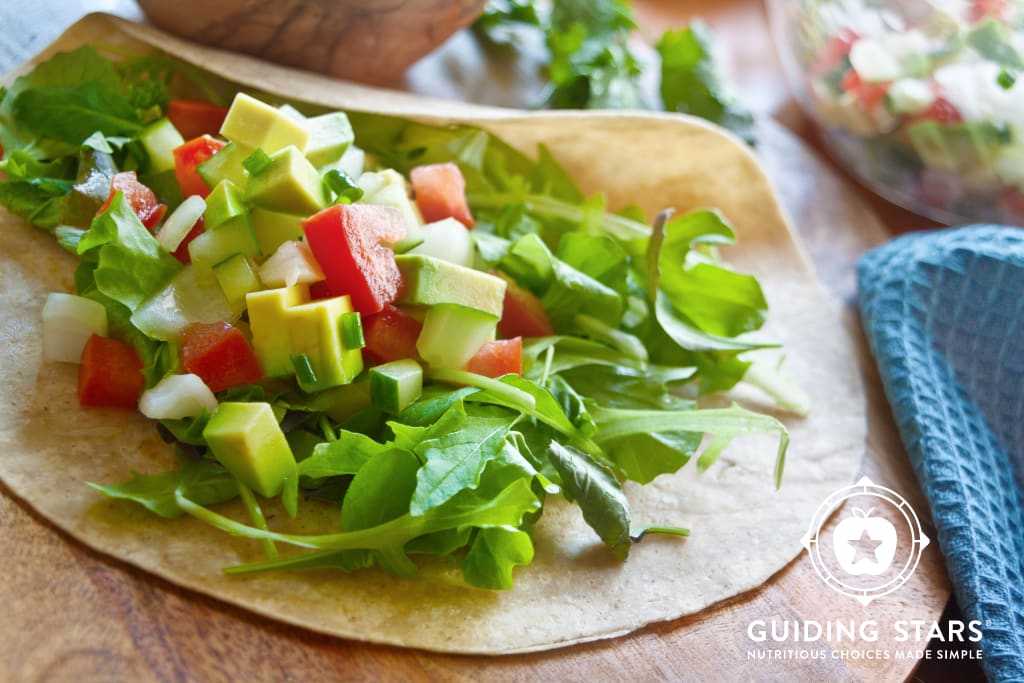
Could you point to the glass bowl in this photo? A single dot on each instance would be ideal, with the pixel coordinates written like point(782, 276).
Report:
point(920, 99)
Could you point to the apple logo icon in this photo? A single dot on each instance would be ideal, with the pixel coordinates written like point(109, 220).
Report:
point(864, 544)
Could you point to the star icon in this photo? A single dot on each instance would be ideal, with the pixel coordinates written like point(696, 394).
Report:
point(866, 547)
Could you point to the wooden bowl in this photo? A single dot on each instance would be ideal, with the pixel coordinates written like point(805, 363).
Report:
point(361, 40)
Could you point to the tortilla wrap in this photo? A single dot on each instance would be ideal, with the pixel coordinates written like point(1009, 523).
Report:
point(742, 529)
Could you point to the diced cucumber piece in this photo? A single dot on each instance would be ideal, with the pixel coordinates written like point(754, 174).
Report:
point(289, 185)
point(993, 40)
point(293, 263)
point(389, 188)
point(223, 204)
point(448, 240)
point(192, 296)
point(429, 281)
point(176, 397)
point(395, 385)
point(257, 124)
point(180, 222)
point(329, 136)
point(247, 440)
point(452, 334)
point(68, 322)
point(233, 237)
point(159, 140)
point(236, 277)
point(274, 229)
point(226, 165)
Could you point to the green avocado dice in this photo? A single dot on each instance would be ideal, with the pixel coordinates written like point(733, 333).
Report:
point(247, 440)
point(430, 281)
point(257, 124)
point(234, 236)
point(223, 204)
point(289, 184)
point(292, 335)
point(329, 137)
point(274, 229)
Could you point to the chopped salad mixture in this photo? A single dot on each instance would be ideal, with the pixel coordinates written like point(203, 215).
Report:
point(415, 324)
point(924, 104)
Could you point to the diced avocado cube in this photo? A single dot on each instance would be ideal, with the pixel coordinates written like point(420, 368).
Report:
point(159, 140)
point(257, 124)
point(289, 185)
point(329, 137)
point(315, 331)
point(452, 334)
point(389, 188)
point(274, 229)
point(247, 440)
point(268, 310)
point(226, 165)
point(237, 277)
point(233, 237)
point(430, 281)
point(395, 385)
point(223, 204)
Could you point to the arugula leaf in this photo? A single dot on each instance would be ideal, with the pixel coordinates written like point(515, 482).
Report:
point(455, 461)
point(203, 481)
point(346, 455)
point(594, 488)
point(72, 113)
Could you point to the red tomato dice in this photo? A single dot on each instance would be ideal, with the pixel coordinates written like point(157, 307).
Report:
point(194, 118)
point(943, 111)
point(220, 355)
point(870, 95)
point(440, 192)
point(835, 51)
point(187, 157)
point(142, 200)
point(498, 358)
point(110, 374)
point(983, 9)
point(522, 314)
point(391, 335)
point(348, 241)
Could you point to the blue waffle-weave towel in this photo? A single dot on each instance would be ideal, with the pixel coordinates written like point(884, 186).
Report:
point(944, 314)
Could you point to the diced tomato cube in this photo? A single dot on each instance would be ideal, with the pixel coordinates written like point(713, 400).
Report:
point(391, 335)
point(522, 314)
point(348, 241)
point(440, 192)
point(983, 9)
point(498, 358)
point(187, 157)
point(942, 111)
point(835, 51)
point(220, 355)
point(110, 374)
point(142, 200)
point(870, 95)
point(181, 253)
point(194, 118)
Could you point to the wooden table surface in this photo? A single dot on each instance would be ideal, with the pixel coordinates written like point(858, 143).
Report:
point(140, 628)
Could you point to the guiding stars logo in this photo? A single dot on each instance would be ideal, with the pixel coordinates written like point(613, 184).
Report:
point(875, 547)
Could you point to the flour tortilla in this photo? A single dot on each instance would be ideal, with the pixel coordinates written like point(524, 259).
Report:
point(743, 530)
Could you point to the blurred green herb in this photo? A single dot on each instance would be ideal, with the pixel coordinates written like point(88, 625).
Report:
point(590, 63)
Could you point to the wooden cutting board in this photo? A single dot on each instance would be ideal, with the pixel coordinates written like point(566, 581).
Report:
point(74, 615)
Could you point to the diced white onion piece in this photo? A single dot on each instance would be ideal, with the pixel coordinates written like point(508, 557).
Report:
point(911, 96)
point(68, 322)
point(448, 240)
point(177, 396)
point(292, 263)
point(192, 296)
point(352, 162)
point(873, 62)
point(178, 224)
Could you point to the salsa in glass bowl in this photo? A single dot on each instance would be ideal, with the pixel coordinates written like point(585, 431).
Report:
point(923, 100)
